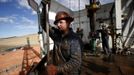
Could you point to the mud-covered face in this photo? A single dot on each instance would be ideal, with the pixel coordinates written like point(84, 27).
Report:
point(62, 25)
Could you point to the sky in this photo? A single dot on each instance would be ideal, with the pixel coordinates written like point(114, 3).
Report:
point(17, 18)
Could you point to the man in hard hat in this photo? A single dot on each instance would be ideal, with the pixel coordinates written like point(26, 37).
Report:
point(66, 55)
point(105, 40)
point(105, 43)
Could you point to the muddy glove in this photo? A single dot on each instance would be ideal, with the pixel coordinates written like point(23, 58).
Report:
point(51, 69)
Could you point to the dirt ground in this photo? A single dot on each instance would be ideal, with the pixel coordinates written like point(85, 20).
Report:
point(11, 63)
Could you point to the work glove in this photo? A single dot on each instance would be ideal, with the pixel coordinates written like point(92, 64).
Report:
point(51, 69)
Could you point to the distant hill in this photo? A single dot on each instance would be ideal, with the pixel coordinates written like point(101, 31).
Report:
point(16, 41)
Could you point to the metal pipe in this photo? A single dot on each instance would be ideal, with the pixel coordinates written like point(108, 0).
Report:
point(47, 30)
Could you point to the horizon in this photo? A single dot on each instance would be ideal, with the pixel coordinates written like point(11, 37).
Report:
point(18, 35)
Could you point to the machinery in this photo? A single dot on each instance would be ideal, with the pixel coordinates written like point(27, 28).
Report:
point(91, 13)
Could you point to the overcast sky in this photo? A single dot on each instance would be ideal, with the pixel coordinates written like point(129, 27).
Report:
point(17, 18)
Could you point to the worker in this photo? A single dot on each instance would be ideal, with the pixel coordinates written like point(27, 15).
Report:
point(105, 42)
point(66, 55)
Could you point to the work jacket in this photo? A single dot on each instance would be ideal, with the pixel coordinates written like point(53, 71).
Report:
point(66, 54)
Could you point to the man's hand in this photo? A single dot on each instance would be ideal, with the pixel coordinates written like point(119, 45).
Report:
point(51, 69)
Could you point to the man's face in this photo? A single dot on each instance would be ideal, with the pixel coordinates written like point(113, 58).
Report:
point(103, 27)
point(62, 25)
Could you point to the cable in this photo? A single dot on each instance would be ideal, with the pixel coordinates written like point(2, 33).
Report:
point(79, 14)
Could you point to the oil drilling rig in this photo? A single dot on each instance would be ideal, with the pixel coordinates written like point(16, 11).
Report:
point(115, 27)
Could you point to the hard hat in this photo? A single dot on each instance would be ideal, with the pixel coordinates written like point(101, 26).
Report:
point(105, 25)
point(62, 15)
